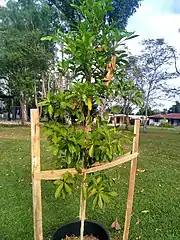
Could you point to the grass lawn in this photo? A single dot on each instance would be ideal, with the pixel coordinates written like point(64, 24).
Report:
point(156, 209)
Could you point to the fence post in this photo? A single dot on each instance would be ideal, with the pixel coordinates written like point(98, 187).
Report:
point(131, 181)
point(36, 184)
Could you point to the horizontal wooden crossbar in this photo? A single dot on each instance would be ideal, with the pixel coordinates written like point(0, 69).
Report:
point(56, 174)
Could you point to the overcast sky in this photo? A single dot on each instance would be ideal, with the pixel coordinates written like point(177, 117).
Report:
point(155, 19)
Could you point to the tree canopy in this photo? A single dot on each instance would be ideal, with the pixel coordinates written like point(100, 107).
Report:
point(123, 9)
point(23, 56)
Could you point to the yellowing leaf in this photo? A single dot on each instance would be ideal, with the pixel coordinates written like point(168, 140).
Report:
point(99, 179)
point(89, 104)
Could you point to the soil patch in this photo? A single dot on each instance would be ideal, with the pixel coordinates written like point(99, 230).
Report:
point(78, 238)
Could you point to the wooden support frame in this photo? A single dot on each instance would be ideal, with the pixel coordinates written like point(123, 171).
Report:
point(36, 183)
point(38, 175)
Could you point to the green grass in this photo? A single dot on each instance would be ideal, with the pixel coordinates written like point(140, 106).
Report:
point(157, 189)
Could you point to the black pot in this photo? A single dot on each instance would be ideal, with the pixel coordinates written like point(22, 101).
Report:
point(90, 228)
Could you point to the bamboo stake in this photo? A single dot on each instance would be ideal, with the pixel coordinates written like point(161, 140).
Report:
point(56, 174)
point(36, 184)
point(131, 182)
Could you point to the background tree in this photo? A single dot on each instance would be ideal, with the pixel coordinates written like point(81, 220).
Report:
point(150, 111)
point(175, 108)
point(126, 97)
point(151, 70)
point(23, 56)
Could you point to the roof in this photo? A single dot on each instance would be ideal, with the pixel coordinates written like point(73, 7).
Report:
point(167, 116)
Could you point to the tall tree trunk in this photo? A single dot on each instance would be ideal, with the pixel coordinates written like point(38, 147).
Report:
point(146, 119)
point(102, 108)
point(124, 111)
point(35, 96)
point(43, 86)
point(23, 109)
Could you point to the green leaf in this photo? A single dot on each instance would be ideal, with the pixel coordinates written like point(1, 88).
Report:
point(67, 188)
point(91, 151)
point(105, 198)
point(55, 139)
point(50, 110)
point(98, 101)
point(58, 182)
point(94, 202)
point(58, 190)
point(92, 192)
point(78, 168)
point(106, 115)
point(72, 148)
point(115, 109)
point(70, 179)
point(113, 194)
point(47, 38)
point(63, 193)
point(100, 202)
point(99, 179)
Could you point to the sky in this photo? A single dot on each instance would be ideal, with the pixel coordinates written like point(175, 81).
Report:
point(155, 19)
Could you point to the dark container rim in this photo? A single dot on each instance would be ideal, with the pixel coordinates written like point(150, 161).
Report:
point(87, 221)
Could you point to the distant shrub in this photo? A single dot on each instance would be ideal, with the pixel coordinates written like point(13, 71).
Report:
point(165, 124)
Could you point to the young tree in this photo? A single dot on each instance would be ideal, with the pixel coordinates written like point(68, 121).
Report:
point(91, 55)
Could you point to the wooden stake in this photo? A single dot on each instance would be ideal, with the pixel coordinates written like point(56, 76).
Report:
point(82, 208)
point(131, 182)
point(36, 184)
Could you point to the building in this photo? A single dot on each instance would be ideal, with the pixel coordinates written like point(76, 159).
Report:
point(172, 118)
point(120, 119)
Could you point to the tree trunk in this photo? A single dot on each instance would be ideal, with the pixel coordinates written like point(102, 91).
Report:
point(127, 122)
point(43, 86)
point(35, 96)
point(146, 120)
point(102, 108)
point(23, 109)
point(82, 208)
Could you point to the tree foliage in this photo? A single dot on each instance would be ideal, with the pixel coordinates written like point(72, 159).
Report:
point(23, 56)
point(123, 9)
point(87, 140)
point(175, 108)
point(151, 69)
